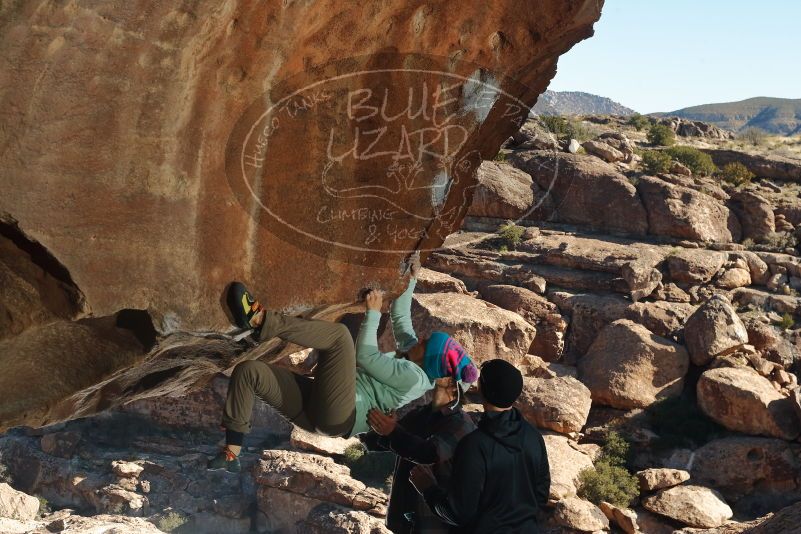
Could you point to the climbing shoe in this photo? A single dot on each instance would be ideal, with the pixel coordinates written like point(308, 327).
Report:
point(242, 305)
point(227, 460)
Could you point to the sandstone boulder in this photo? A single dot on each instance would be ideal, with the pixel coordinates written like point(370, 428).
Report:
point(660, 478)
point(684, 213)
point(561, 403)
point(329, 519)
point(580, 515)
point(291, 485)
point(549, 341)
point(60, 444)
point(694, 266)
point(755, 214)
point(662, 318)
point(171, 107)
point(742, 400)
point(642, 278)
point(312, 442)
point(574, 182)
point(714, 329)
point(126, 469)
point(566, 463)
point(484, 330)
point(738, 466)
point(624, 518)
point(628, 366)
point(17, 505)
point(785, 521)
point(695, 506)
point(734, 278)
point(502, 192)
point(756, 266)
point(429, 281)
point(604, 151)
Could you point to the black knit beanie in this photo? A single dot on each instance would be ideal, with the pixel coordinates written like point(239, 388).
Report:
point(501, 383)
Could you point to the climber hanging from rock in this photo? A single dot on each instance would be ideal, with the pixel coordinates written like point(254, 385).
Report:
point(348, 380)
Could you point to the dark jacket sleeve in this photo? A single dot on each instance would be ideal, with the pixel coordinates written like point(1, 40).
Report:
point(374, 441)
point(542, 486)
point(460, 504)
point(411, 447)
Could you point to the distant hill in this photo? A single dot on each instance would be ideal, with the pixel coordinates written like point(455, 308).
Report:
point(774, 115)
point(578, 103)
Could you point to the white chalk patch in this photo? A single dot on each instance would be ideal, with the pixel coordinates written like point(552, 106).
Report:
point(480, 94)
point(440, 187)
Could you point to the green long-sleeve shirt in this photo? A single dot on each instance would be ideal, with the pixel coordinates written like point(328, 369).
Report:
point(382, 380)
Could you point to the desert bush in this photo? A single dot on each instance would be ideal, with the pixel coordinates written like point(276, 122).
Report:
point(640, 122)
point(171, 521)
point(655, 161)
point(510, 234)
point(500, 156)
point(661, 135)
point(44, 507)
point(5, 475)
point(735, 173)
point(610, 481)
point(698, 162)
point(787, 321)
point(781, 240)
point(680, 423)
point(566, 128)
point(753, 136)
point(372, 469)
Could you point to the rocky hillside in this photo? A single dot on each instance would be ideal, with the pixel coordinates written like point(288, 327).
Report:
point(578, 103)
point(774, 115)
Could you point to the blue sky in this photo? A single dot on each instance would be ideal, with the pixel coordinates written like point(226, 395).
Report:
point(660, 55)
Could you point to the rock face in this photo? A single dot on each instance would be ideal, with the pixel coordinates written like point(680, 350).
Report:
point(566, 462)
point(561, 403)
point(742, 400)
point(580, 515)
point(17, 505)
point(484, 330)
point(292, 485)
point(629, 367)
point(503, 192)
point(765, 467)
point(549, 341)
point(154, 195)
point(656, 478)
point(695, 506)
point(574, 180)
point(714, 329)
point(685, 213)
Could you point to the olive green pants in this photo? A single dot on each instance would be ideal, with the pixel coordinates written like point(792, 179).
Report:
point(324, 403)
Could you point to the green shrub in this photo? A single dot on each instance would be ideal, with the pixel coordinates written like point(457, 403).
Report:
point(753, 136)
point(680, 423)
point(566, 128)
point(352, 454)
point(5, 475)
point(700, 163)
point(500, 156)
point(44, 507)
point(511, 234)
point(171, 521)
point(781, 240)
point(610, 481)
point(373, 469)
point(787, 321)
point(656, 161)
point(735, 173)
point(640, 122)
point(661, 135)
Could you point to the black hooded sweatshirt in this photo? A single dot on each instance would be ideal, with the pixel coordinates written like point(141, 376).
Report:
point(500, 478)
